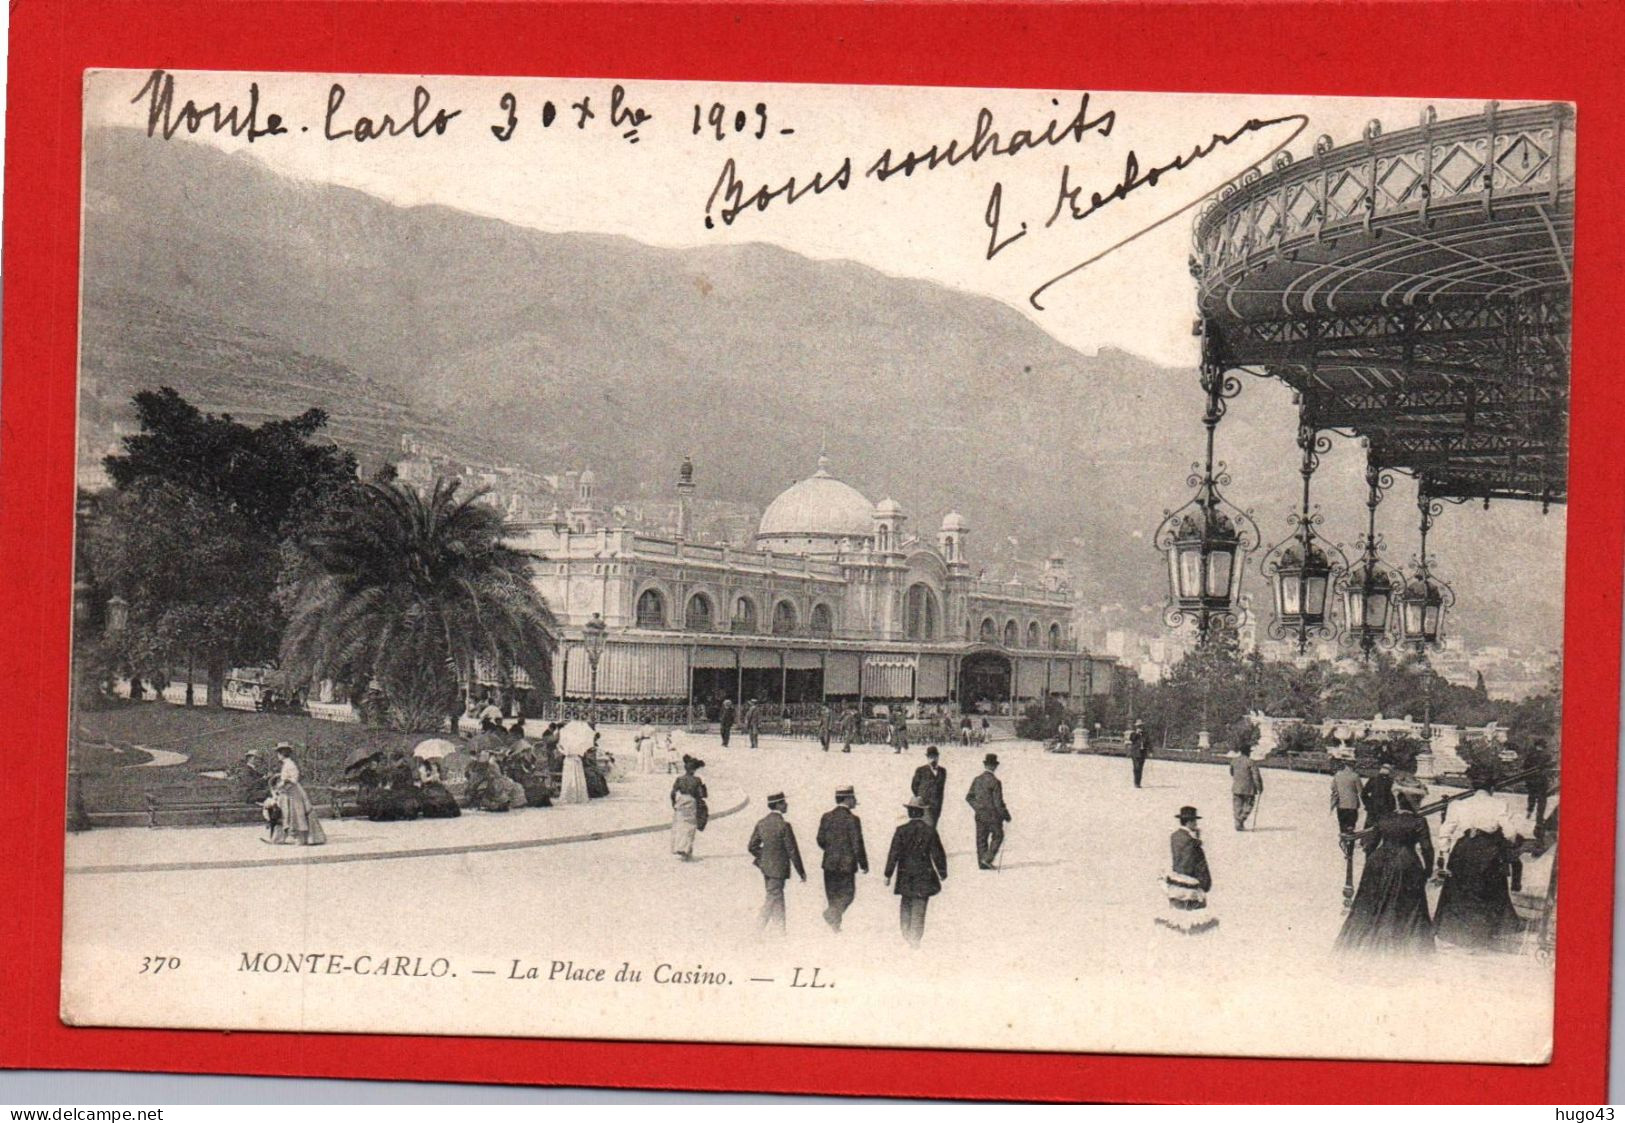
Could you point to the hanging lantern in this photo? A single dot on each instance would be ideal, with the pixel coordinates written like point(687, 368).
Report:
point(1370, 587)
point(1368, 598)
point(1425, 598)
point(1422, 607)
point(1206, 541)
point(1303, 566)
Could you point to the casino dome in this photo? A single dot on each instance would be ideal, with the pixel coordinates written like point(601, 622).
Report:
point(819, 507)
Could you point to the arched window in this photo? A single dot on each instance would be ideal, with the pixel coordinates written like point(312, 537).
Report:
point(651, 609)
point(1009, 633)
point(1055, 637)
point(1032, 633)
point(920, 613)
point(823, 620)
point(990, 630)
point(744, 619)
point(698, 616)
point(784, 618)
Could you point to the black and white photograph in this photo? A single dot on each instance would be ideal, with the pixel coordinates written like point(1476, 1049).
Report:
point(1001, 569)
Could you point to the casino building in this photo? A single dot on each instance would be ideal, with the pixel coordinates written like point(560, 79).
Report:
point(837, 602)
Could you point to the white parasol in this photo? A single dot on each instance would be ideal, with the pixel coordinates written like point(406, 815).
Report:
point(576, 738)
point(434, 748)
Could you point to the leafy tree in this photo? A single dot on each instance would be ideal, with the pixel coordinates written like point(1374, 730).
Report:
point(407, 591)
point(190, 535)
point(196, 576)
point(270, 475)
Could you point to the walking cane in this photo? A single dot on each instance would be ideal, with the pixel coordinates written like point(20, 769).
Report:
point(1257, 799)
point(998, 859)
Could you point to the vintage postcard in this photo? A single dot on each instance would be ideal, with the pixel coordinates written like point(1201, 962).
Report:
point(1045, 570)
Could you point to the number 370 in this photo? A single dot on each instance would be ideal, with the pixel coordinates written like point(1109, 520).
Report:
point(158, 964)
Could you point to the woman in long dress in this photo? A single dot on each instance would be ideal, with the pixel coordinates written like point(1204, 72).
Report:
point(687, 792)
point(574, 741)
point(435, 800)
point(1390, 909)
point(1476, 845)
point(645, 742)
point(1188, 880)
point(298, 824)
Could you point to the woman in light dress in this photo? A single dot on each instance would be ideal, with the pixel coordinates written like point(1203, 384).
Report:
point(574, 741)
point(687, 798)
point(645, 742)
point(1477, 844)
point(298, 824)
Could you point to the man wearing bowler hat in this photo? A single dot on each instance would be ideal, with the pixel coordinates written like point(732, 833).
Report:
point(931, 785)
point(921, 866)
point(840, 837)
point(773, 845)
point(986, 798)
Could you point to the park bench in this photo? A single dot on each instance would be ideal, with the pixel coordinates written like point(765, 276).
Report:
point(222, 807)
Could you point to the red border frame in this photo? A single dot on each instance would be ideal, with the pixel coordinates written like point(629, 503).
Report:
point(1404, 48)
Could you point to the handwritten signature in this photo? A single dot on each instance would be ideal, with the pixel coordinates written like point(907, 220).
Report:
point(1133, 179)
point(732, 197)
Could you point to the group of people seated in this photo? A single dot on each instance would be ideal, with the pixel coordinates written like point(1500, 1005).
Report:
point(497, 770)
point(392, 786)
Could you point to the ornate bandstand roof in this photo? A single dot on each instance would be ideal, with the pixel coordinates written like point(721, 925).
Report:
point(1414, 288)
point(819, 506)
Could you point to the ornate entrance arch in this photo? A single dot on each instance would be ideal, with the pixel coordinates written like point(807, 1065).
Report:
point(984, 676)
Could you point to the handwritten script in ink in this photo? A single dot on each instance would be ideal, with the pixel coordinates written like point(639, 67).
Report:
point(1083, 188)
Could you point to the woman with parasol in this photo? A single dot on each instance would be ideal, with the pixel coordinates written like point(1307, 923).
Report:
point(435, 800)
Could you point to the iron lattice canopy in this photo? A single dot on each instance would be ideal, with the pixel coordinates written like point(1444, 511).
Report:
point(1416, 287)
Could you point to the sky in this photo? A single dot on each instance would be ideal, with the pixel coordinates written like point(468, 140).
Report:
point(930, 224)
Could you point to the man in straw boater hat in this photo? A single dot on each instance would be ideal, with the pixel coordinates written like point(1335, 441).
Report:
point(986, 798)
point(840, 837)
point(773, 845)
point(921, 866)
point(1345, 791)
point(1187, 881)
point(1246, 785)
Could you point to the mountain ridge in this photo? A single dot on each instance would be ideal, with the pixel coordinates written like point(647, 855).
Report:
point(555, 350)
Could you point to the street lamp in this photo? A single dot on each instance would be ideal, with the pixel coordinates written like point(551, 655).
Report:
point(1370, 586)
point(594, 633)
point(1207, 540)
point(1303, 566)
point(118, 614)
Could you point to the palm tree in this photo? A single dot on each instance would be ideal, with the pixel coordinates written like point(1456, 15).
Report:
point(409, 591)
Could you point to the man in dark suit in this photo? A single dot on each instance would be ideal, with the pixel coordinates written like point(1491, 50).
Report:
point(931, 785)
point(727, 720)
point(986, 798)
point(1246, 785)
point(773, 845)
point(1138, 750)
point(921, 866)
point(840, 837)
point(825, 722)
point(753, 723)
